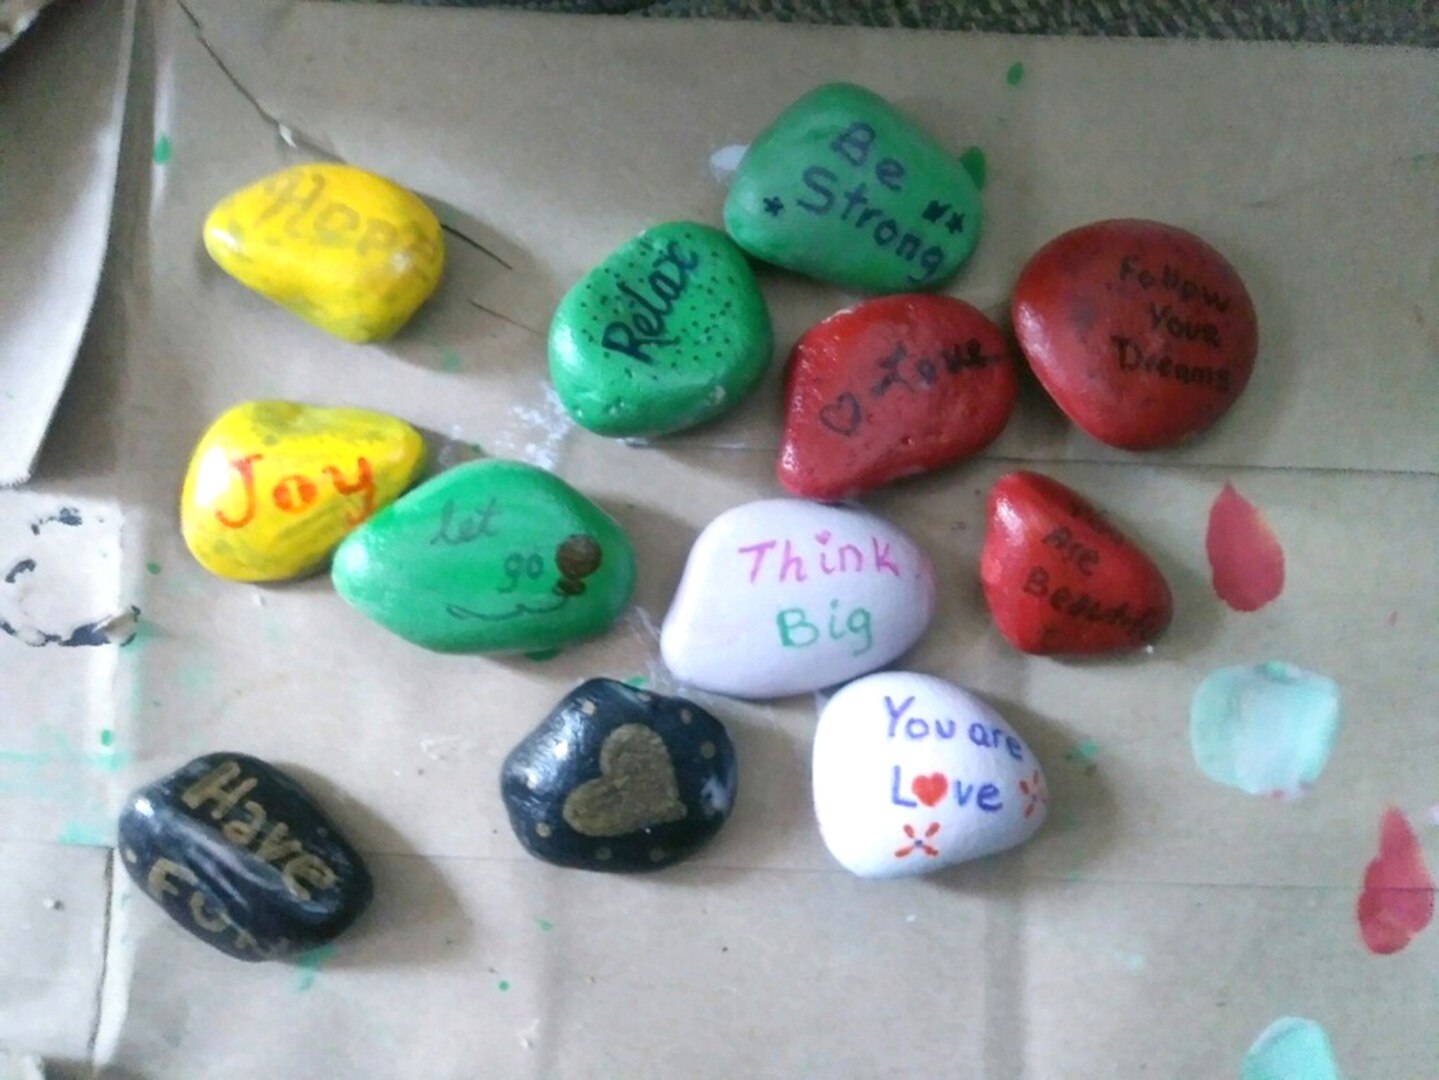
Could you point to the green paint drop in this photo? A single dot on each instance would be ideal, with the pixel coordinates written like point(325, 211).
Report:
point(639, 682)
point(974, 164)
point(162, 150)
point(1015, 75)
point(1083, 753)
point(504, 985)
point(1291, 1049)
point(310, 964)
point(450, 360)
point(541, 655)
point(106, 737)
point(545, 925)
point(1266, 729)
point(153, 567)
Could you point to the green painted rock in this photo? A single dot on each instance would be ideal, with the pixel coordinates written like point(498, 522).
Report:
point(667, 332)
point(490, 556)
point(844, 188)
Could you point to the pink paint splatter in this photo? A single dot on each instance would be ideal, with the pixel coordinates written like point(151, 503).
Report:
point(1397, 900)
point(1245, 558)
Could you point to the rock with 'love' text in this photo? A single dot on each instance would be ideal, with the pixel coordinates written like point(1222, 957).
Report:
point(618, 779)
point(783, 596)
point(912, 774)
point(242, 857)
point(349, 251)
point(273, 486)
point(669, 331)
point(489, 556)
point(843, 187)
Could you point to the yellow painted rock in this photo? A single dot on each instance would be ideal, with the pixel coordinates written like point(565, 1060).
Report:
point(345, 249)
point(273, 486)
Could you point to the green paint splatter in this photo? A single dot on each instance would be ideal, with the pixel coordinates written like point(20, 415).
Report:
point(542, 655)
point(545, 925)
point(450, 360)
point(639, 682)
point(1291, 1049)
point(153, 567)
point(477, 448)
point(87, 834)
point(310, 964)
point(974, 164)
point(1015, 75)
point(1083, 753)
point(106, 737)
point(162, 150)
point(504, 985)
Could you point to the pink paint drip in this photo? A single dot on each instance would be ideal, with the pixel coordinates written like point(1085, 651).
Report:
point(1397, 900)
point(1245, 559)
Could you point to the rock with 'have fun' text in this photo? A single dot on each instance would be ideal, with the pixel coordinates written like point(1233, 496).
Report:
point(242, 857)
point(912, 774)
point(783, 596)
point(843, 187)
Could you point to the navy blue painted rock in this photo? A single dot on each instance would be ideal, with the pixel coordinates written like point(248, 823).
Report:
point(620, 779)
point(242, 857)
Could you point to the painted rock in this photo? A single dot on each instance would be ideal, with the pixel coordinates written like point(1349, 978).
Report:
point(341, 248)
point(783, 596)
point(274, 486)
point(889, 388)
point(241, 856)
point(1060, 579)
point(843, 187)
point(490, 556)
point(669, 331)
point(1266, 729)
point(620, 779)
point(1142, 333)
point(912, 774)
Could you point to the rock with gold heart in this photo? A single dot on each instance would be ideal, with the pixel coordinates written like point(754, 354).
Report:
point(620, 779)
point(274, 486)
point(342, 248)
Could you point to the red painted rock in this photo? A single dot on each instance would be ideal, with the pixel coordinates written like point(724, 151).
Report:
point(889, 388)
point(1142, 333)
point(1058, 578)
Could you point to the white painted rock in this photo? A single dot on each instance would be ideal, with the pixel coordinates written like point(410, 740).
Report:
point(911, 774)
point(785, 596)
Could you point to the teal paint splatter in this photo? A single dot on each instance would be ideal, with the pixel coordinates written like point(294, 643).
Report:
point(450, 360)
point(504, 985)
point(974, 163)
point(1291, 1048)
point(1015, 75)
point(106, 736)
point(87, 834)
point(310, 963)
point(152, 567)
point(545, 925)
point(1083, 753)
point(162, 150)
point(1266, 729)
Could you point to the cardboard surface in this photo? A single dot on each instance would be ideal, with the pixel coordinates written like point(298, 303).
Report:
point(1156, 925)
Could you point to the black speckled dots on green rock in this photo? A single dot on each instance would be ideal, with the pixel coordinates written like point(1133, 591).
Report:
point(669, 331)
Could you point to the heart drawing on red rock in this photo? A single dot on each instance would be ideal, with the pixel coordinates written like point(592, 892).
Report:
point(929, 789)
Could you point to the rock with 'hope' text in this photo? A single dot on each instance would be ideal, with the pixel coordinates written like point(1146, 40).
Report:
point(912, 774)
point(344, 249)
point(489, 556)
point(845, 188)
point(241, 856)
point(784, 596)
point(1141, 332)
point(669, 331)
point(1058, 578)
point(274, 486)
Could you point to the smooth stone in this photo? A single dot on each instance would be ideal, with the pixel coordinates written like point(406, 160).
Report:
point(241, 856)
point(912, 774)
point(620, 779)
point(274, 486)
point(1266, 729)
point(889, 388)
point(1142, 333)
point(845, 188)
point(669, 331)
point(489, 556)
point(784, 596)
point(344, 249)
point(1291, 1048)
point(1059, 579)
